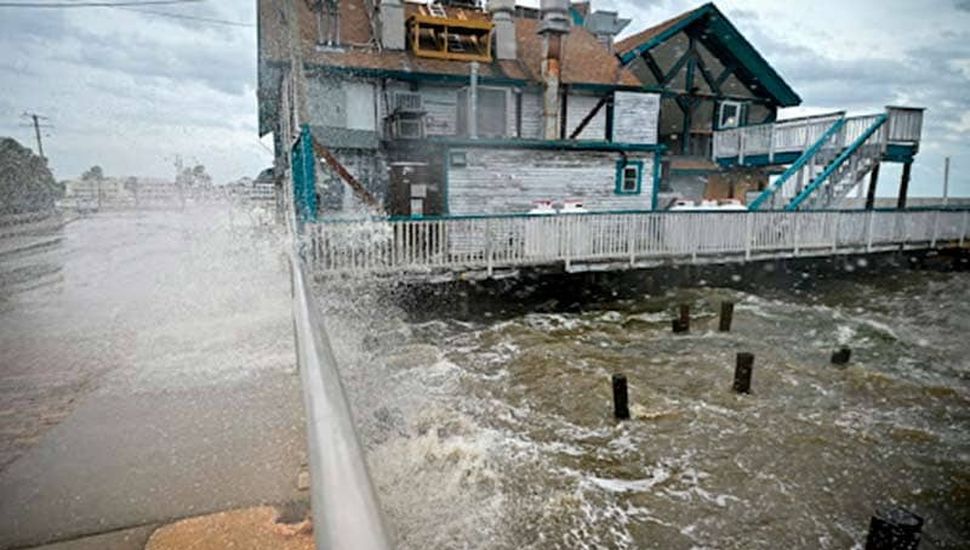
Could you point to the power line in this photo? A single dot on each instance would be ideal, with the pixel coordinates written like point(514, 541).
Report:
point(188, 17)
point(117, 4)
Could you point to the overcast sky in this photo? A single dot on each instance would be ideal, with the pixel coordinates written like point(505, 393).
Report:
point(130, 91)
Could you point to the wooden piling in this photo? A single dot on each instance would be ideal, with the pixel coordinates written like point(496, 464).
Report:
point(842, 356)
point(742, 372)
point(682, 323)
point(621, 406)
point(894, 529)
point(727, 315)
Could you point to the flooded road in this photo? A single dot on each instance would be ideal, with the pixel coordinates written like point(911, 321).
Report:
point(147, 373)
point(496, 432)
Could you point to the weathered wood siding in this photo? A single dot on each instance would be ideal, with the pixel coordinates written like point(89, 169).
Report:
point(577, 107)
point(531, 115)
point(500, 181)
point(635, 117)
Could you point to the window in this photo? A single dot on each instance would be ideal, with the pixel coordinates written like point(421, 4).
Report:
point(732, 114)
point(629, 177)
point(458, 158)
point(492, 112)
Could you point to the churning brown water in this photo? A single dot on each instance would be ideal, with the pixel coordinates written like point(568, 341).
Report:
point(498, 433)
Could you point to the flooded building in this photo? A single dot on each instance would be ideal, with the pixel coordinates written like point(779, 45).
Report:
point(452, 108)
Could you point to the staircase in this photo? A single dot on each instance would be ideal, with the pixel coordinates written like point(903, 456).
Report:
point(830, 168)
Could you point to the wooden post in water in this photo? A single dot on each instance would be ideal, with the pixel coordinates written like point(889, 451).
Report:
point(621, 406)
point(727, 314)
point(742, 372)
point(842, 356)
point(682, 324)
point(894, 529)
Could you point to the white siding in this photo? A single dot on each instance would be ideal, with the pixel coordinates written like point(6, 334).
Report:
point(441, 106)
point(577, 107)
point(635, 117)
point(498, 181)
point(531, 115)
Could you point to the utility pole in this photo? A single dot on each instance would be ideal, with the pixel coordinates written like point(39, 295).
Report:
point(946, 180)
point(36, 118)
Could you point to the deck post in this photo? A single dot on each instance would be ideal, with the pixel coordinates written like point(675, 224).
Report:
point(489, 248)
point(963, 232)
point(936, 217)
point(835, 230)
point(873, 181)
point(795, 232)
point(869, 220)
point(696, 237)
point(904, 185)
point(566, 242)
point(747, 238)
point(740, 147)
point(771, 145)
point(631, 239)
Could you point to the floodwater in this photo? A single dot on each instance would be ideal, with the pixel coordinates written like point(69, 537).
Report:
point(496, 431)
point(147, 373)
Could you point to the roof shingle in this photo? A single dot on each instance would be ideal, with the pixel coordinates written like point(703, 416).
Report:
point(585, 60)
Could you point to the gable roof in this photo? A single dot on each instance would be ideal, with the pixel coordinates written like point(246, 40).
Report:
point(723, 40)
point(585, 59)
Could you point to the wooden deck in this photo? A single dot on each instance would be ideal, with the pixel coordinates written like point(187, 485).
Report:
point(479, 247)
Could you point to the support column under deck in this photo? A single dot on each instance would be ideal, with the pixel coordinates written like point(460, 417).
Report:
point(904, 185)
point(873, 181)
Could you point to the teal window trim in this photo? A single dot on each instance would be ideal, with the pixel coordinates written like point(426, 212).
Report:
point(655, 195)
point(621, 166)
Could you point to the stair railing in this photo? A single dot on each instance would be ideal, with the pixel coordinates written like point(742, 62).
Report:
point(875, 123)
point(785, 180)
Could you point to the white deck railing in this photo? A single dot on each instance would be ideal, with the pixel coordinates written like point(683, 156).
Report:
point(641, 238)
point(797, 135)
point(787, 136)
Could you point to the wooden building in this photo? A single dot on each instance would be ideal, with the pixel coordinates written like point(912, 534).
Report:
point(446, 108)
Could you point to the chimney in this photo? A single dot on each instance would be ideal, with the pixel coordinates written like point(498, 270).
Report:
point(606, 26)
point(506, 45)
point(553, 27)
point(392, 24)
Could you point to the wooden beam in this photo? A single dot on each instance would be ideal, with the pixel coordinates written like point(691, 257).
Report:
point(651, 63)
point(335, 165)
point(708, 77)
point(563, 114)
point(904, 185)
point(589, 116)
point(689, 86)
point(873, 180)
point(688, 55)
point(609, 116)
point(725, 74)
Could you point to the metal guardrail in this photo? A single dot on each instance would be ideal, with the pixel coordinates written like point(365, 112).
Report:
point(426, 247)
point(346, 513)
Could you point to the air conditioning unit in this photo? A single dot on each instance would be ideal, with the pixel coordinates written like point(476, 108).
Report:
point(409, 128)
point(407, 102)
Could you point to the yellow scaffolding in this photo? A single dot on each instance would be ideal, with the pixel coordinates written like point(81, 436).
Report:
point(451, 38)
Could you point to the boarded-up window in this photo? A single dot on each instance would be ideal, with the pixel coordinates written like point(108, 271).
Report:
point(492, 112)
point(359, 99)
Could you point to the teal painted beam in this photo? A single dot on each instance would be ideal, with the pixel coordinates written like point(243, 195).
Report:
point(629, 56)
point(564, 145)
point(797, 165)
point(797, 201)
